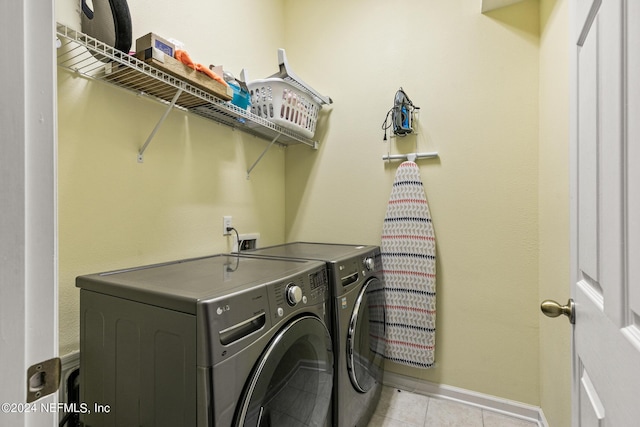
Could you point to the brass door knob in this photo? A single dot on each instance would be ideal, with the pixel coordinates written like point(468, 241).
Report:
point(551, 308)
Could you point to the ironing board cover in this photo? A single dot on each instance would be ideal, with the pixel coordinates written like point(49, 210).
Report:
point(408, 255)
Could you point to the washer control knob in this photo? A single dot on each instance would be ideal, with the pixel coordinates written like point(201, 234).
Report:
point(294, 294)
point(280, 312)
point(369, 263)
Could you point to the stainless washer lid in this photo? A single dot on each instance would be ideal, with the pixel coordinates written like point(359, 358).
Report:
point(179, 285)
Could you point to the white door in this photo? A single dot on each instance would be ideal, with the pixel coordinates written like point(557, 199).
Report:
point(606, 212)
point(28, 260)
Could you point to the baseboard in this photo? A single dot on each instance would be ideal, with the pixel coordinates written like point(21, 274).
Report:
point(480, 400)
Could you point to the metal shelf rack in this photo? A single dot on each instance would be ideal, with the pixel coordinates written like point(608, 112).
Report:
point(93, 59)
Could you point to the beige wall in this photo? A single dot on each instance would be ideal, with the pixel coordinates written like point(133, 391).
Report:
point(115, 212)
point(484, 108)
point(553, 209)
point(475, 78)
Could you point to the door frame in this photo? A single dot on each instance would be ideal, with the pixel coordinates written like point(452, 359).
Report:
point(28, 224)
point(573, 185)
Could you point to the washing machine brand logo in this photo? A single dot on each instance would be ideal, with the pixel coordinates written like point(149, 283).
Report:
point(222, 309)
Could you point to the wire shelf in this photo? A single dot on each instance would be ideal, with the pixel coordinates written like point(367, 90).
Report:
point(93, 59)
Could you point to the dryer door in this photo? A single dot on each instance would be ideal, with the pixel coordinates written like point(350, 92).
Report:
point(365, 337)
point(291, 384)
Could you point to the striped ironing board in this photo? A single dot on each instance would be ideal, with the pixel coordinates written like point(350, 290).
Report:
point(408, 250)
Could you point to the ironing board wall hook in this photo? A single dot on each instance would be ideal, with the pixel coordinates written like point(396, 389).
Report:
point(416, 156)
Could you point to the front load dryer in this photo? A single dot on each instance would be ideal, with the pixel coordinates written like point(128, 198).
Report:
point(358, 306)
point(215, 341)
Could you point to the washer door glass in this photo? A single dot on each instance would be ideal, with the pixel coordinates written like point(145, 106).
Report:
point(292, 383)
point(365, 337)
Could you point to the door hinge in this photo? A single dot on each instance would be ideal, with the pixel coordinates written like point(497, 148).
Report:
point(43, 379)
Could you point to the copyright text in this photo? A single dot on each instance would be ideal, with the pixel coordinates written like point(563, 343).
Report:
point(76, 408)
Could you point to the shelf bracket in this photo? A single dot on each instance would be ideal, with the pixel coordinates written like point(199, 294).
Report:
point(273, 141)
point(155, 129)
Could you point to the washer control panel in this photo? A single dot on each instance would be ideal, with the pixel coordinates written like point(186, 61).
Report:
point(300, 291)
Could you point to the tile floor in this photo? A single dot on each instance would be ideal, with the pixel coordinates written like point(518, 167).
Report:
point(404, 409)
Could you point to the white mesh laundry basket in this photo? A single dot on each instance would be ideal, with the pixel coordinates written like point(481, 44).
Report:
point(282, 103)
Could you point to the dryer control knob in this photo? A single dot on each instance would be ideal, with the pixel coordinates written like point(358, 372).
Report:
point(369, 263)
point(294, 294)
point(280, 312)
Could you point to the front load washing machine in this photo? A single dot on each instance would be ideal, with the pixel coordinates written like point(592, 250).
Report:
point(214, 341)
point(356, 283)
